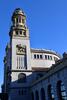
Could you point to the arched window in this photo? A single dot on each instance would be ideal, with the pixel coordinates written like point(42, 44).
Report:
point(36, 95)
point(50, 92)
point(16, 19)
point(32, 96)
point(61, 91)
point(21, 78)
point(42, 94)
point(23, 20)
point(19, 19)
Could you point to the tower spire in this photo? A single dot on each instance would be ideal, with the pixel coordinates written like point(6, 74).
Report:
point(18, 17)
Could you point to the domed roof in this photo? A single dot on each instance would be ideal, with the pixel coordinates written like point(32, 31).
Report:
point(18, 11)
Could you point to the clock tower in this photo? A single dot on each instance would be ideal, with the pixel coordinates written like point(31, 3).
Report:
point(20, 42)
point(20, 62)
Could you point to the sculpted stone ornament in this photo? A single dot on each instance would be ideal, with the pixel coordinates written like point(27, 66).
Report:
point(20, 49)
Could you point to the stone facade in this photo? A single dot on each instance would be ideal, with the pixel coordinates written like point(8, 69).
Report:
point(56, 74)
point(29, 73)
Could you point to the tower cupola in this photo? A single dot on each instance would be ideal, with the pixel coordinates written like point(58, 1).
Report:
point(18, 17)
point(19, 27)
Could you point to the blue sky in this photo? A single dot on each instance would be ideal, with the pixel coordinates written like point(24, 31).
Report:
point(47, 22)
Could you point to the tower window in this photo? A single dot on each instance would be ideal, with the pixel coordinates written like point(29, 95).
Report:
point(17, 62)
point(23, 21)
point(19, 19)
point(16, 32)
point(20, 32)
point(24, 33)
point(21, 62)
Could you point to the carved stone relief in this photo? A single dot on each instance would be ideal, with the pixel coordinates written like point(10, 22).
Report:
point(20, 49)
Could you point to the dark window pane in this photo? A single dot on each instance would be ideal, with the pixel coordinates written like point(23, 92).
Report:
point(46, 57)
point(16, 32)
point(34, 56)
point(17, 20)
point(20, 32)
point(37, 56)
point(41, 57)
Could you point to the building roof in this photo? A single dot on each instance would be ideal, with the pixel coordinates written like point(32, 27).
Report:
point(45, 51)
